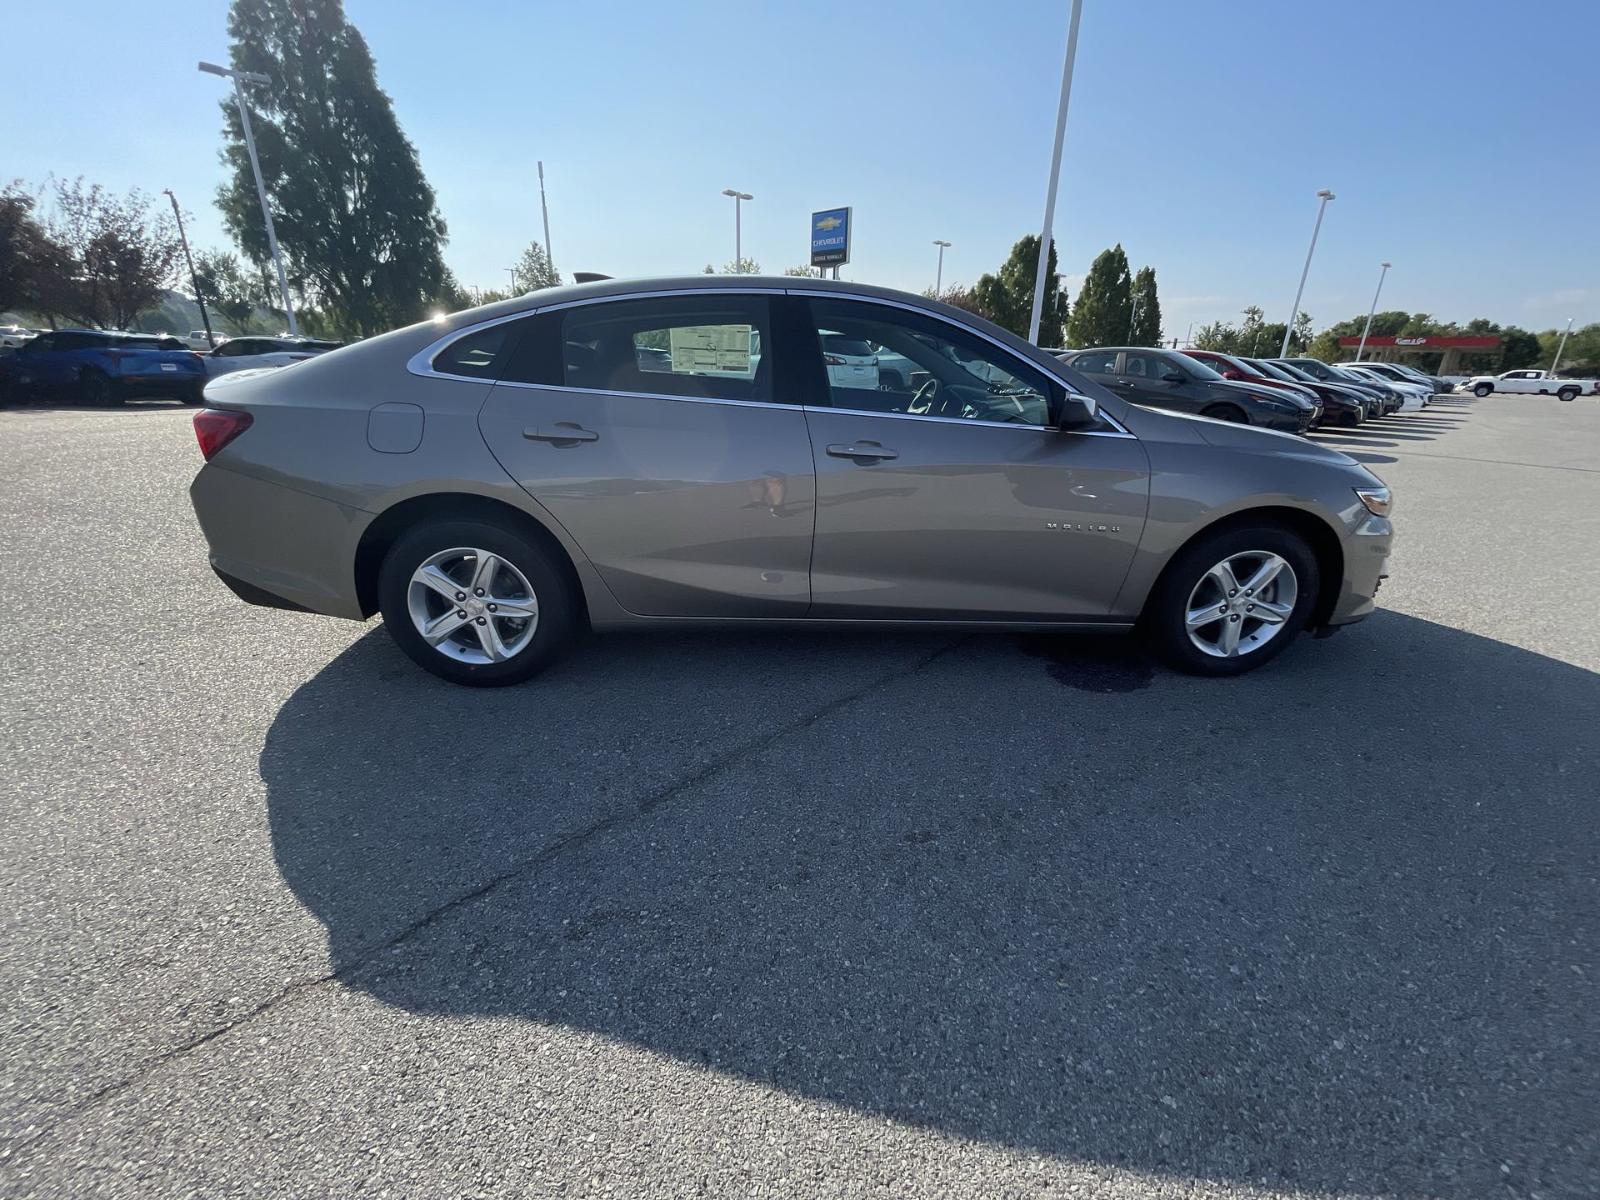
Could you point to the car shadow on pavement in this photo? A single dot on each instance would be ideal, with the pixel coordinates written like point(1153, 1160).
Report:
point(1329, 926)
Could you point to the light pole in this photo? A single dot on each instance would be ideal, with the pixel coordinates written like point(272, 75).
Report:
point(240, 78)
point(1055, 173)
point(1361, 350)
point(194, 280)
point(938, 275)
point(1556, 362)
point(1324, 195)
point(738, 235)
point(549, 254)
point(1188, 335)
point(513, 273)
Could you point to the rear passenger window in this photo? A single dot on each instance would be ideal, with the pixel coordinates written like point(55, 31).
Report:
point(708, 347)
point(478, 355)
point(1099, 363)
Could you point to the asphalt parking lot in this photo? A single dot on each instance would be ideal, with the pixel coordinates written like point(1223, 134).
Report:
point(783, 915)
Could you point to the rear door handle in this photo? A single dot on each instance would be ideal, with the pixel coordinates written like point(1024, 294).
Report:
point(561, 431)
point(864, 451)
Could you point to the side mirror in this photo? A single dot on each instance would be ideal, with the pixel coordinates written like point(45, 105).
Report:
point(1175, 377)
point(1077, 411)
point(1231, 373)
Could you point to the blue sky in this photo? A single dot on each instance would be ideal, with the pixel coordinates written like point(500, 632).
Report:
point(1462, 136)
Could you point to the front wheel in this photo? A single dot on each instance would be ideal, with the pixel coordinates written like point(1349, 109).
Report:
point(476, 603)
point(1233, 601)
point(1482, 390)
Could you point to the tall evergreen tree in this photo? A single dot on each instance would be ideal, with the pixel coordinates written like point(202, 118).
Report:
point(1104, 310)
point(1007, 298)
point(534, 270)
point(355, 217)
point(1146, 310)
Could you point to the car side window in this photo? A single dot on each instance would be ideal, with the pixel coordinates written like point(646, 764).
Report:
point(1146, 366)
point(710, 347)
point(479, 355)
point(954, 373)
point(1097, 362)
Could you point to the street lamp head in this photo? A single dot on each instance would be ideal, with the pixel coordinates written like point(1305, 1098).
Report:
point(246, 76)
point(213, 69)
point(736, 194)
point(1324, 194)
point(1387, 265)
point(940, 242)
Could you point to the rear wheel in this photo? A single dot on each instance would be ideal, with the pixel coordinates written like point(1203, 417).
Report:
point(1568, 393)
point(476, 603)
point(1226, 412)
point(96, 388)
point(194, 395)
point(1482, 390)
point(1233, 601)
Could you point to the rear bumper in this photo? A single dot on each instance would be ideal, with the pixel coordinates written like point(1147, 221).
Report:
point(168, 383)
point(279, 547)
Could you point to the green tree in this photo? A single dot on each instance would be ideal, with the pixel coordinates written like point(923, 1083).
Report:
point(1582, 350)
point(29, 258)
point(1104, 311)
point(1006, 298)
point(356, 219)
point(230, 291)
point(743, 266)
point(117, 259)
point(534, 270)
point(1146, 324)
point(805, 271)
point(1520, 348)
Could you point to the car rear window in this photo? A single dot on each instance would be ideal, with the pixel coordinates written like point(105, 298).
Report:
point(479, 355)
point(837, 343)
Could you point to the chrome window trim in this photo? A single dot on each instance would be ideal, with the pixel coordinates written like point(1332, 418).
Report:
point(421, 363)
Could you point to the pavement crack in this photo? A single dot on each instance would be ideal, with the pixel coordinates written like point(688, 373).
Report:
point(14, 1148)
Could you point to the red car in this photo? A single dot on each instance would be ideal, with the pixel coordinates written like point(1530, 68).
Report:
point(1240, 371)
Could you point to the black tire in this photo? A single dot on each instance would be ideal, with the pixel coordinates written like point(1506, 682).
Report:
point(1568, 393)
point(558, 611)
point(1167, 606)
point(1482, 390)
point(194, 396)
point(96, 389)
point(1226, 412)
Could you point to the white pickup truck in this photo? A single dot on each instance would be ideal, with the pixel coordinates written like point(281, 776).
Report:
point(1533, 383)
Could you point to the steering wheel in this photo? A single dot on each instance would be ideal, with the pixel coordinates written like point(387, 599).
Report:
point(925, 395)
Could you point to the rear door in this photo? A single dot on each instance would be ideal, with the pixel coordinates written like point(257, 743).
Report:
point(664, 435)
point(962, 500)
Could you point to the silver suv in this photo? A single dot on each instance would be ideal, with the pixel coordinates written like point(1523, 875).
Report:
point(675, 451)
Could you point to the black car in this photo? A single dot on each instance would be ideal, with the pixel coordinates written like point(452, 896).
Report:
point(1341, 404)
point(1166, 379)
point(1388, 400)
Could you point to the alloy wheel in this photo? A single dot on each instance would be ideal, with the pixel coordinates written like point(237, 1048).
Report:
point(472, 606)
point(1241, 604)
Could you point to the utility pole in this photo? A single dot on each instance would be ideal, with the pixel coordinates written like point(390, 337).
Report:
point(1288, 330)
point(1361, 350)
point(1556, 362)
point(513, 272)
point(738, 234)
point(240, 78)
point(1055, 173)
point(194, 280)
point(549, 254)
point(938, 276)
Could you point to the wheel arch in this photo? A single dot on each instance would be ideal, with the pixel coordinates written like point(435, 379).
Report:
point(1319, 535)
point(394, 521)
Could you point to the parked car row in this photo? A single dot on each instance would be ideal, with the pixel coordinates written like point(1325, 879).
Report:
point(1291, 395)
point(95, 366)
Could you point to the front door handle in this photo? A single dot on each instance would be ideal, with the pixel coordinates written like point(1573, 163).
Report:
point(862, 451)
point(562, 432)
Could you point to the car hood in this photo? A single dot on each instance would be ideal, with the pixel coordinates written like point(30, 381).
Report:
point(1263, 392)
point(1187, 427)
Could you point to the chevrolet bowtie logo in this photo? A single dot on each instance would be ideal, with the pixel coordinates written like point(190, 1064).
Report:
point(829, 224)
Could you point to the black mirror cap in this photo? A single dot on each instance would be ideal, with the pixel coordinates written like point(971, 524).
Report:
point(1175, 377)
point(1077, 411)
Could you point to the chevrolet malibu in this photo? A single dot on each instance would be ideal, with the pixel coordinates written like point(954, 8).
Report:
point(499, 481)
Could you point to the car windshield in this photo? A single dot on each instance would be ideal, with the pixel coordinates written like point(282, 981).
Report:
point(1298, 374)
point(1270, 370)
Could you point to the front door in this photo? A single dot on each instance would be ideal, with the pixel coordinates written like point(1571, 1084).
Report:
point(659, 437)
point(958, 497)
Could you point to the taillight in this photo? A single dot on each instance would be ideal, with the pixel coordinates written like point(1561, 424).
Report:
point(833, 360)
point(214, 428)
